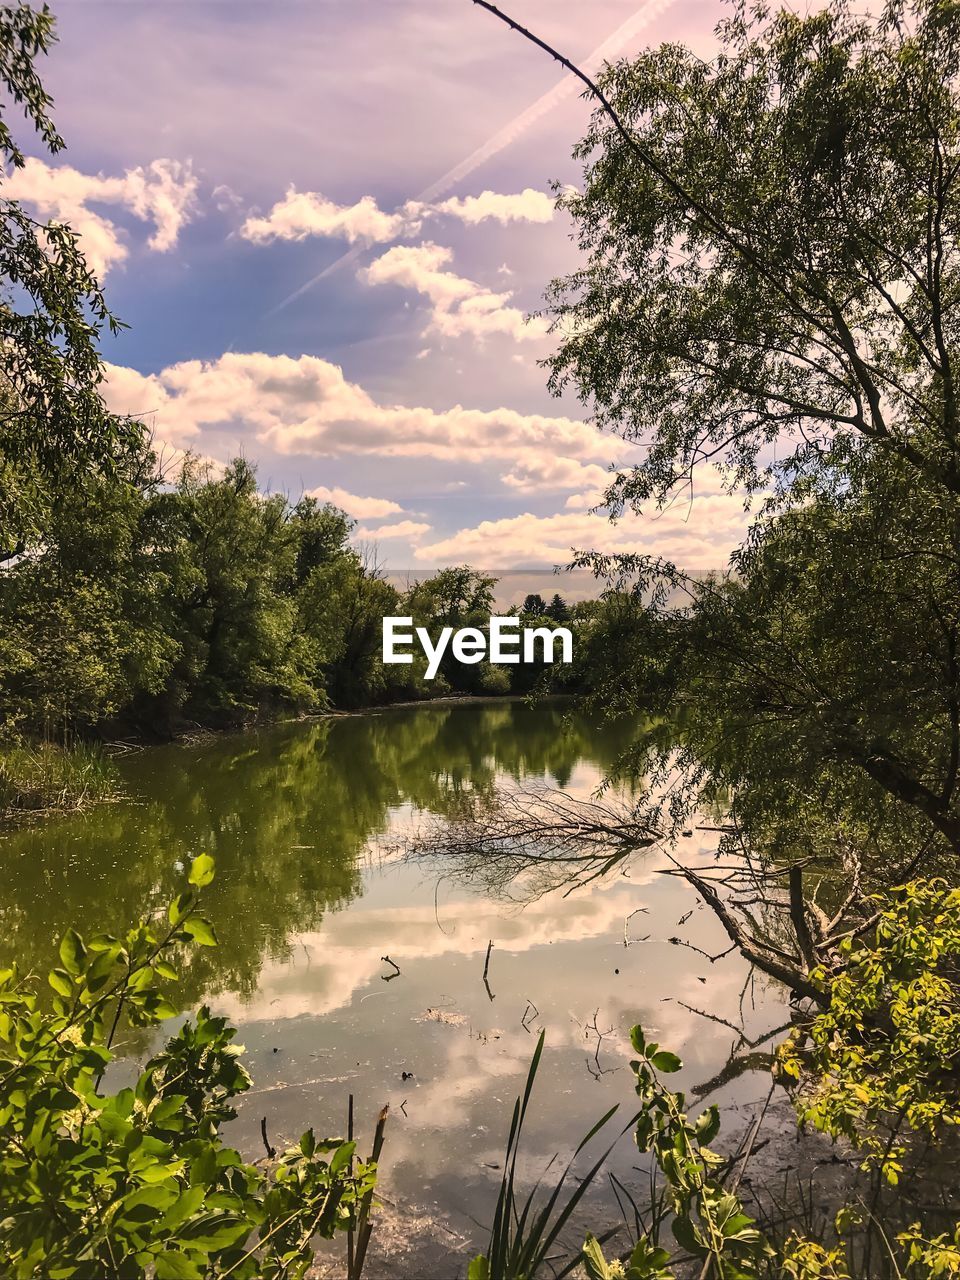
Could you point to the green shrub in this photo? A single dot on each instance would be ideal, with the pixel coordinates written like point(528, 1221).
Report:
point(139, 1183)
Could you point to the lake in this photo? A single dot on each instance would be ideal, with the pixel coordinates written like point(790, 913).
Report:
point(306, 823)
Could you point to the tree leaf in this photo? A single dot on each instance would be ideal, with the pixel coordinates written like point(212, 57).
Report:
point(200, 930)
point(177, 1266)
point(179, 907)
point(202, 870)
point(72, 952)
point(60, 981)
point(666, 1061)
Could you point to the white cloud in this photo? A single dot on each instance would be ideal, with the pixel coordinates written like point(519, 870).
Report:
point(163, 192)
point(310, 213)
point(355, 505)
point(304, 405)
point(528, 205)
point(701, 543)
point(459, 306)
point(345, 957)
point(404, 529)
point(584, 501)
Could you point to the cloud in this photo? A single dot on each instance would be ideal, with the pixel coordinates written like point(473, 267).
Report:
point(460, 307)
point(528, 205)
point(405, 529)
point(345, 957)
point(310, 213)
point(163, 192)
point(528, 539)
point(551, 472)
point(304, 405)
point(355, 505)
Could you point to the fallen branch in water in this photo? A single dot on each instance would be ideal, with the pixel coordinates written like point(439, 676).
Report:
point(534, 842)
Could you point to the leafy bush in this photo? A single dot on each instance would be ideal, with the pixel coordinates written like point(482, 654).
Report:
point(882, 1057)
point(139, 1182)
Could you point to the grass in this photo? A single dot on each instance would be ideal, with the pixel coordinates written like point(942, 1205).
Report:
point(526, 1234)
point(44, 778)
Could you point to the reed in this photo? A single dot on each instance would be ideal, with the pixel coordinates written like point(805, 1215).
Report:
point(45, 778)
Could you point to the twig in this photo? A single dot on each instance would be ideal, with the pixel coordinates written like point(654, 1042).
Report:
point(636, 911)
point(271, 1152)
point(486, 967)
point(364, 1224)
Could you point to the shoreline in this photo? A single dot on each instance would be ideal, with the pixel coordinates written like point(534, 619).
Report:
point(18, 818)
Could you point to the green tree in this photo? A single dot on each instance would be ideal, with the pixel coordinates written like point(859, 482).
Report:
point(769, 287)
point(87, 617)
point(558, 609)
point(53, 422)
point(241, 653)
point(456, 597)
point(341, 607)
point(768, 254)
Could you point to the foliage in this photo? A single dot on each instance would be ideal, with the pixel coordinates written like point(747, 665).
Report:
point(54, 426)
point(138, 1182)
point(455, 597)
point(816, 687)
point(767, 244)
point(769, 289)
point(883, 1056)
point(708, 1221)
point(711, 1230)
point(150, 607)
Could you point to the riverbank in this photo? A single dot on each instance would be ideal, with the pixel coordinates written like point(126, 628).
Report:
point(44, 779)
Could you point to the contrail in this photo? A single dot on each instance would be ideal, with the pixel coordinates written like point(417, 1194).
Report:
point(568, 85)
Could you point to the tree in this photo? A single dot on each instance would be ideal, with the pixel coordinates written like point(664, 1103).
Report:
point(87, 618)
point(241, 652)
point(534, 605)
point(769, 253)
point(321, 533)
point(768, 287)
point(557, 609)
point(53, 422)
point(815, 691)
point(455, 597)
point(341, 607)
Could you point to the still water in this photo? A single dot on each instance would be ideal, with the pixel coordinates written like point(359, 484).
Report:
point(312, 892)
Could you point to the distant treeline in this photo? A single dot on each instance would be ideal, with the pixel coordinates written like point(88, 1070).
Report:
point(150, 607)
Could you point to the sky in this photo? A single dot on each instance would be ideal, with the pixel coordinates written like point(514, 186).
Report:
point(325, 224)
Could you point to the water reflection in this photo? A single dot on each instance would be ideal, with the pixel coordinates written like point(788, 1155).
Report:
point(305, 913)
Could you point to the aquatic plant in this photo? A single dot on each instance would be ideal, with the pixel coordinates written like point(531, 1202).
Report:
point(44, 776)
